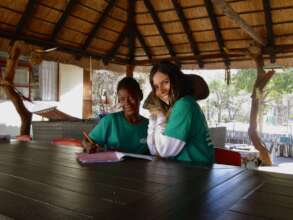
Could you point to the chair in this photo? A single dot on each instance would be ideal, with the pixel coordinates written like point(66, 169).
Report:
point(23, 138)
point(228, 157)
point(218, 136)
point(67, 142)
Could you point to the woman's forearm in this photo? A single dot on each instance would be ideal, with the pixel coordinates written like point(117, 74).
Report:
point(167, 146)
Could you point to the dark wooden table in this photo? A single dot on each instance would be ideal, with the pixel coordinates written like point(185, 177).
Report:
point(41, 181)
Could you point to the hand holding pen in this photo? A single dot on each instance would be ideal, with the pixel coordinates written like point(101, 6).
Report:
point(88, 145)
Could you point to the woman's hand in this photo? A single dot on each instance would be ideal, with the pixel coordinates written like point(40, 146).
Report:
point(90, 147)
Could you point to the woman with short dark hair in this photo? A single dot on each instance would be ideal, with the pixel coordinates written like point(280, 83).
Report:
point(125, 130)
point(180, 131)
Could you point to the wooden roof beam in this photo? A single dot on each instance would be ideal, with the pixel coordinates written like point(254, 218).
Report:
point(234, 16)
point(26, 15)
point(62, 20)
point(251, 52)
point(188, 32)
point(159, 26)
point(143, 43)
point(269, 27)
point(131, 30)
point(98, 24)
point(217, 31)
point(188, 58)
point(112, 51)
point(61, 47)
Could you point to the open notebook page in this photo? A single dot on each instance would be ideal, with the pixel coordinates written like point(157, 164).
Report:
point(109, 156)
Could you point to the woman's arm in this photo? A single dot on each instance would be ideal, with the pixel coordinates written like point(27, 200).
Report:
point(168, 146)
point(170, 141)
point(158, 143)
point(151, 134)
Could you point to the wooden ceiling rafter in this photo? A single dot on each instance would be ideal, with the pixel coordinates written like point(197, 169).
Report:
point(131, 30)
point(160, 28)
point(269, 28)
point(186, 7)
point(98, 24)
point(217, 31)
point(25, 17)
point(143, 43)
point(111, 53)
point(230, 13)
point(223, 28)
point(93, 9)
point(218, 15)
point(11, 9)
point(61, 47)
point(62, 19)
point(188, 32)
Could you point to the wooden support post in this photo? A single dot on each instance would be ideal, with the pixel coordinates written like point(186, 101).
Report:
point(129, 70)
point(87, 95)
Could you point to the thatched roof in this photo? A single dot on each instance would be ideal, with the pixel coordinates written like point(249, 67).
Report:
point(195, 33)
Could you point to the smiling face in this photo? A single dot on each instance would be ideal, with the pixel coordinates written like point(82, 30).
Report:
point(161, 85)
point(129, 101)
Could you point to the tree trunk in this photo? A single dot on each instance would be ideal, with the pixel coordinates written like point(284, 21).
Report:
point(260, 113)
point(25, 115)
point(261, 81)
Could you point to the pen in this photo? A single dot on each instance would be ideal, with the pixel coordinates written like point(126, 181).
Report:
point(87, 137)
point(94, 147)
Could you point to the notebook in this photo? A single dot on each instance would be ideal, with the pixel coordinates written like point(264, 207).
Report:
point(108, 157)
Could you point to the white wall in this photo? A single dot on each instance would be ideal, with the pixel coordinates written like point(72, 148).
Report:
point(9, 119)
point(71, 90)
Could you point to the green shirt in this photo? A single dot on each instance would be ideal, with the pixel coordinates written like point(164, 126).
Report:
point(116, 132)
point(187, 123)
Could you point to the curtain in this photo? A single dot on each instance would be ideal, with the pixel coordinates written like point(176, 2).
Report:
point(48, 80)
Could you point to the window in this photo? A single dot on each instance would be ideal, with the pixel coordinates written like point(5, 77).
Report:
point(21, 81)
point(38, 83)
point(48, 81)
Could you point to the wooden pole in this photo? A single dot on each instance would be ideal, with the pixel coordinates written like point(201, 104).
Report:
point(129, 70)
point(87, 95)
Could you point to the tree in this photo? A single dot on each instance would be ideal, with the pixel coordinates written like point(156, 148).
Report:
point(218, 97)
point(265, 86)
point(11, 93)
point(280, 84)
point(225, 100)
point(104, 90)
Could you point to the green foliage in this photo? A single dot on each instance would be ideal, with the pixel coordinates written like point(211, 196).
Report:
point(228, 103)
point(224, 100)
point(281, 83)
point(244, 79)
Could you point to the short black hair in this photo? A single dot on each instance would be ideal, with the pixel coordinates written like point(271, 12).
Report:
point(130, 83)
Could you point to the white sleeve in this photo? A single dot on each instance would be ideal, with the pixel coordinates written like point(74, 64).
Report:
point(160, 144)
point(167, 146)
point(151, 135)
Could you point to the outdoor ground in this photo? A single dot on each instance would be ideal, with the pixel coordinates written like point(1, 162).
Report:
point(280, 165)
